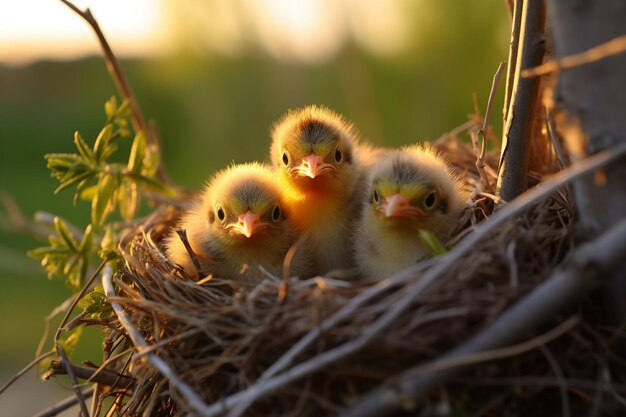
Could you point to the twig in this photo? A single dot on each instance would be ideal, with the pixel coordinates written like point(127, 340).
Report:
point(518, 126)
point(455, 132)
point(556, 143)
point(18, 220)
point(113, 66)
point(76, 299)
point(193, 399)
point(482, 132)
point(24, 370)
point(182, 234)
point(495, 354)
point(597, 53)
point(64, 404)
point(70, 372)
point(561, 379)
point(104, 377)
point(516, 16)
point(547, 187)
point(593, 260)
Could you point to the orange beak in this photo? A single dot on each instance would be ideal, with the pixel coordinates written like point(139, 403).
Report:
point(398, 205)
point(247, 224)
point(311, 165)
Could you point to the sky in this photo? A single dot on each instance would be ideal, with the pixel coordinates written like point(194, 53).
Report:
point(303, 30)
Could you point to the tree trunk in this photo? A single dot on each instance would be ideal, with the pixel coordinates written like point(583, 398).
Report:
point(590, 113)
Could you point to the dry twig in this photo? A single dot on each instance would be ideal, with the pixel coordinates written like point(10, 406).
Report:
point(605, 50)
point(64, 405)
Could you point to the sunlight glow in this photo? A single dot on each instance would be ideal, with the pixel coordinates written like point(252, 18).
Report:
point(309, 31)
point(36, 29)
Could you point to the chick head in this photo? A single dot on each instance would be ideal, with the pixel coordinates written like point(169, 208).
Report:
point(413, 189)
point(242, 207)
point(312, 147)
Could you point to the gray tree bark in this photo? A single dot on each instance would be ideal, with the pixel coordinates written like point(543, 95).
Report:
point(590, 113)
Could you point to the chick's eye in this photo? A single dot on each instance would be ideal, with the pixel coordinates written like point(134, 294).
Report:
point(375, 196)
point(276, 214)
point(338, 155)
point(220, 213)
point(430, 200)
point(285, 158)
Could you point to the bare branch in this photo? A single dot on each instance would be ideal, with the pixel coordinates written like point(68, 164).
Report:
point(113, 66)
point(605, 50)
point(593, 260)
point(77, 391)
point(482, 132)
point(523, 102)
point(24, 370)
point(100, 376)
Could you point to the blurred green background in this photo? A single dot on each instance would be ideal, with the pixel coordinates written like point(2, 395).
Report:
point(214, 106)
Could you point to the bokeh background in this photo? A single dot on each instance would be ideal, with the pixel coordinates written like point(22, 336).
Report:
point(214, 75)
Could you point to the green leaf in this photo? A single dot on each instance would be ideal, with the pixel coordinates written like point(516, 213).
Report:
point(151, 183)
point(87, 241)
point(110, 107)
point(431, 243)
point(102, 204)
point(127, 198)
point(73, 180)
point(100, 149)
point(108, 245)
point(63, 232)
point(83, 148)
point(137, 153)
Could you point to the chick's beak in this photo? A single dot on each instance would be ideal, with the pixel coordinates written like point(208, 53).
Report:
point(398, 205)
point(247, 223)
point(311, 165)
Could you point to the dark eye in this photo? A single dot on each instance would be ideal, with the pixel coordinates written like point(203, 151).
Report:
point(276, 214)
point(285, 158)
point(375, 196)
point(430, 200)
point(220, 213)
point(338, 155)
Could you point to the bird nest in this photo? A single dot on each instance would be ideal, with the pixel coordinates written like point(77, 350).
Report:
point(309, 347)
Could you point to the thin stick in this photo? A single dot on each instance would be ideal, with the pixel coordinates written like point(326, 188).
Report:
point(25, 369)
point(590, 263)
point(70, 372)
point(565, 408)
point(104, 377)
point(76, 299)
point(113, 66)
point(482, 132)
point(193, 399)
point(64, 405)
point(556, 143)
point(512, 61)
point(525, 201)
point(182, 234)
point(495, 354)
point(455, 132)
point(597, 53)
point(518, 126)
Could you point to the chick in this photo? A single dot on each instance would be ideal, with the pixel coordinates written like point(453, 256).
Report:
point(237, 224)
point(410, 189)
point(321, 167)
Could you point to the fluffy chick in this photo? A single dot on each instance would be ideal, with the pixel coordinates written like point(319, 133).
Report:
point(237, 224)
point(321, 167)
point(410, 189)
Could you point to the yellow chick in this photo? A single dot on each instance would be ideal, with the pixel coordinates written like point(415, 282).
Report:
point(410, 189)
point(321, 168)
point(236, 225)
